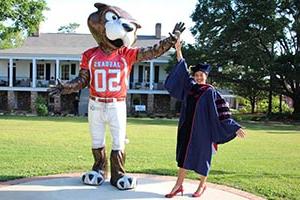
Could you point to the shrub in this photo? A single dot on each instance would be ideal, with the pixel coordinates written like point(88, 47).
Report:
point(41, 106)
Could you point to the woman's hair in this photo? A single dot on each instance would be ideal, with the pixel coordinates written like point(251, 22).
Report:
point(206, 68)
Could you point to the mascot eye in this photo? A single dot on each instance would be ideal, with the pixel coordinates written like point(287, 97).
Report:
point(110, 16)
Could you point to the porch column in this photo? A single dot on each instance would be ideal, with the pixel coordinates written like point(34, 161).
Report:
point(11, 67)
point(34, 73)
point(57, 70)
point(151, 75)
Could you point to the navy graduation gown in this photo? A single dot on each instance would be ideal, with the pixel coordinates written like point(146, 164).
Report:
point(204, 119)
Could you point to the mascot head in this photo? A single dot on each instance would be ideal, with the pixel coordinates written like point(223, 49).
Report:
point(112, 27)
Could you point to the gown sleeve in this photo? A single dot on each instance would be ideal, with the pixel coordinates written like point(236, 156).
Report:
point(179, 81)
point(223, 127)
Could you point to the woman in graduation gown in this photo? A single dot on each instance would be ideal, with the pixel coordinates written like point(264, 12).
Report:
point(205, 121)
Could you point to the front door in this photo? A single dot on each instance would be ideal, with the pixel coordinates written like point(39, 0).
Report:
point(48, 71)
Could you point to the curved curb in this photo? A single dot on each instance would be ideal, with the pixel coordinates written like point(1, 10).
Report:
point(152, 176)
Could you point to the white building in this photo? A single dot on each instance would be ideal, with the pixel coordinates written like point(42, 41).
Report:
point(27, 72)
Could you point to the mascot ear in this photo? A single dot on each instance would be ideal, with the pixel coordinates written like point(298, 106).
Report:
point(100, 6)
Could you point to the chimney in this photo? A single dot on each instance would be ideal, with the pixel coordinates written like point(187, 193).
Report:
point(158, 30)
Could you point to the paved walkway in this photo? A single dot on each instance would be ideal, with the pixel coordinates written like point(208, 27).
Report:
point(69, 187)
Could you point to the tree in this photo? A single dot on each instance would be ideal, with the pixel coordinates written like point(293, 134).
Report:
point(244, 81)
point(287, 65)
point(19, 18)
point(70, 28)
point(255, 34)
point(192, 55)
point(15, 39)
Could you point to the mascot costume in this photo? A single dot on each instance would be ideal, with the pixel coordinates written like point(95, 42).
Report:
point(105, 70)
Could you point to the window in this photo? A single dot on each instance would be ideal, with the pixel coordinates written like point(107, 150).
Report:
point(65, 75)
point(131, 78)
point(51, 100)
point(30, 71)
point(132, 74)
point(156, 74)
point(140, 73)
point(73, 69)
point(40, 68)
point(48, 71)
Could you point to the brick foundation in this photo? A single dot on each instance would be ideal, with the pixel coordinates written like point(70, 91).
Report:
point(161, 104)
point(3, 100)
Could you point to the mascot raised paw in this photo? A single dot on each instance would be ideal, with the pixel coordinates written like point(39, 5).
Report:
point(105, 69)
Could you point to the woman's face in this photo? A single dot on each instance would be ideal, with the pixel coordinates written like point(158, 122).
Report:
point(200, 77)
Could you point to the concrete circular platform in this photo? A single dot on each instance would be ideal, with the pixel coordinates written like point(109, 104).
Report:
point(68, 186)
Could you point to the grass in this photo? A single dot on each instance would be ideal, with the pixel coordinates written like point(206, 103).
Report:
point(266, 163)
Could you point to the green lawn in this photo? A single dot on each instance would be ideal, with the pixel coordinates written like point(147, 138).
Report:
point(266, 163)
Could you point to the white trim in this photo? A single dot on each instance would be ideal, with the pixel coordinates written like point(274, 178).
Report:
point(69, 58)
point(151, 79)
point(41, 58)
point(57, 70)
point(11, 66)
point(155, 61)
point(29, 89)
point(33, 73)
point(147, 92)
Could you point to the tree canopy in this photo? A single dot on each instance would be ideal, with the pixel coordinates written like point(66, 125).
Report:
point(255, 42)
point(19, 18)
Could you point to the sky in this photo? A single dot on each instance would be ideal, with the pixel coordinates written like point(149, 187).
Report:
point(147, 12)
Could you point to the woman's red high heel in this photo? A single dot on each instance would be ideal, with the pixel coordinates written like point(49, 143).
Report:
point(172, 194)
point(198, 194)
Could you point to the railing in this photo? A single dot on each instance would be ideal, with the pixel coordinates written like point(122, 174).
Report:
point(25, 82)
point(146, 86)
point(3, 81)
point(22, 82)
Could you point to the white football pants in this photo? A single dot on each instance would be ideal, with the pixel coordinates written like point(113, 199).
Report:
point(113, 114)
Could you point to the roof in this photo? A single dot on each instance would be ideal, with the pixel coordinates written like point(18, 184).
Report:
point(63, 45)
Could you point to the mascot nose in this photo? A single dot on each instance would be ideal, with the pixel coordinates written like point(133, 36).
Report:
point(127, 27)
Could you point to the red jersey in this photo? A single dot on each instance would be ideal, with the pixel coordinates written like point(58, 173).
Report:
point(109, 74)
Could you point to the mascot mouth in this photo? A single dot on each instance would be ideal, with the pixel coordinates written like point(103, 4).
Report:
point(117, 43)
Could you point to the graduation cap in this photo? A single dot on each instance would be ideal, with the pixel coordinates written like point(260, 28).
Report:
point(206, 68)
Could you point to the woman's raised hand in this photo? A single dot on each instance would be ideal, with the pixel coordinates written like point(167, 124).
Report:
point(241, 133)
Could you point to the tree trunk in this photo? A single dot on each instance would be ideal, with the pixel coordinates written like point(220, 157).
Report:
point(252, 102)
point(270, 95)
point(296, 105)
point(280, 103)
